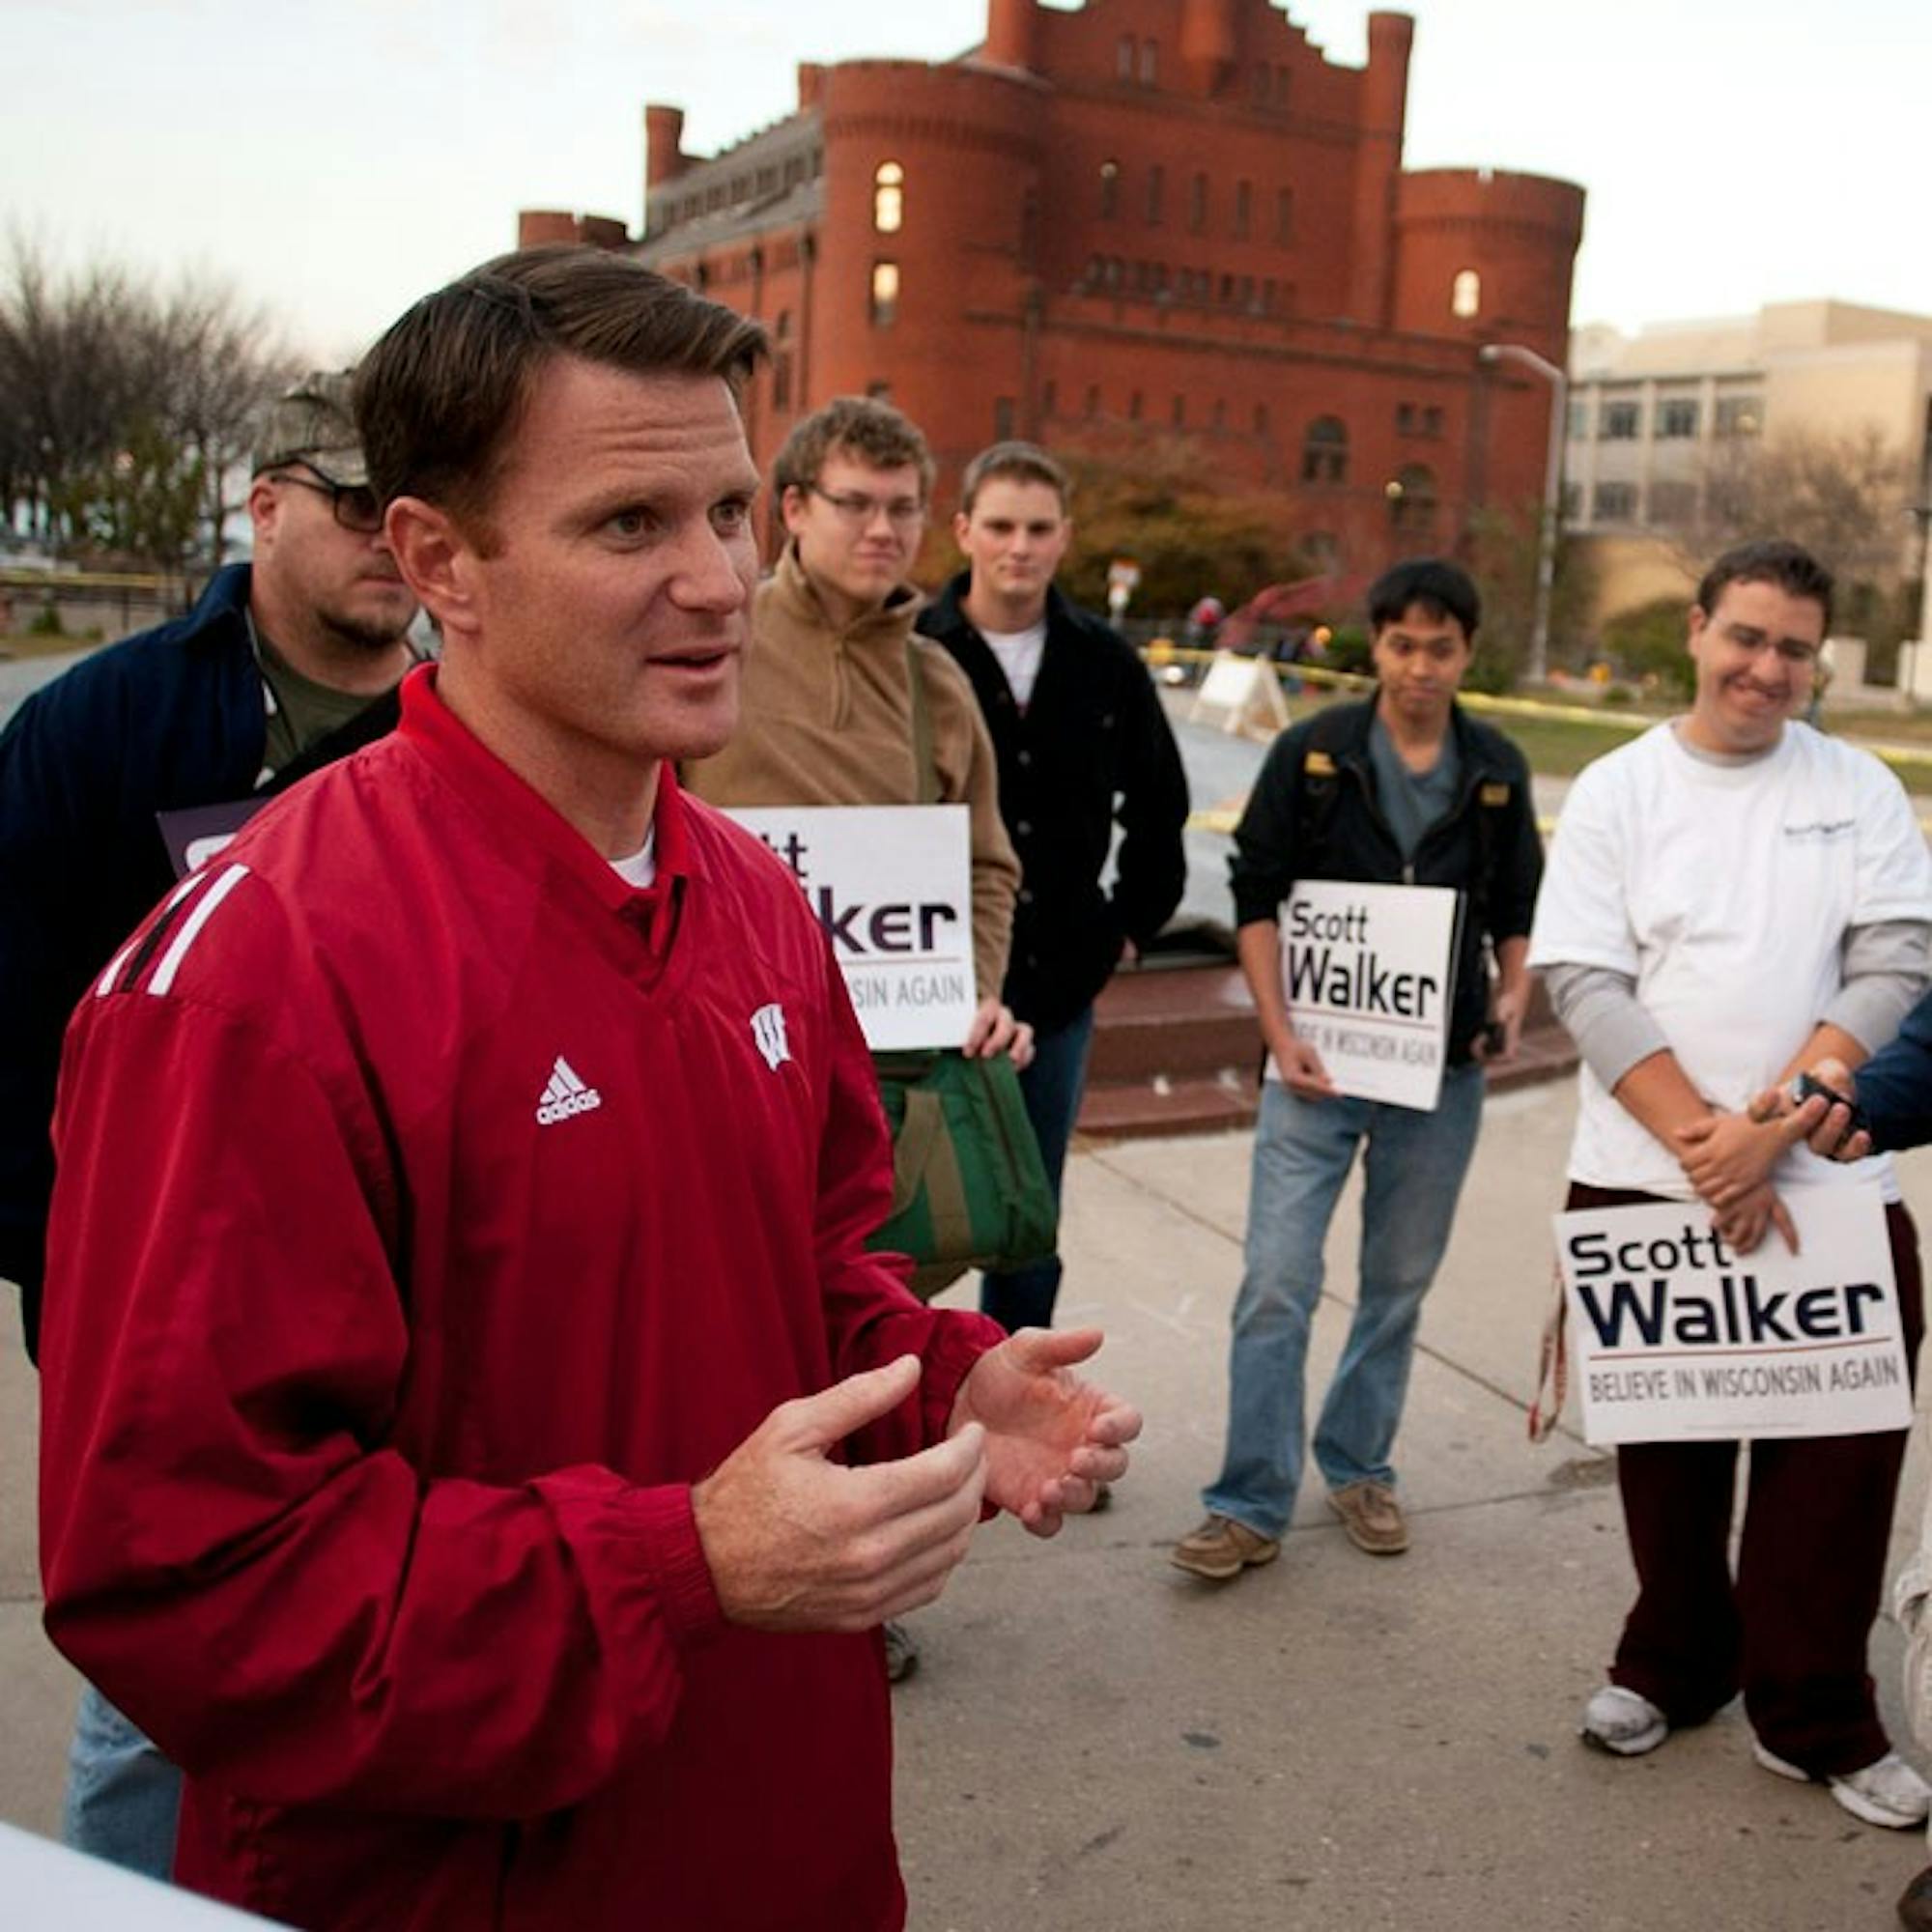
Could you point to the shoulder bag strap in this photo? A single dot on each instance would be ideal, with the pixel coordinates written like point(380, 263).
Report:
point(921, 728)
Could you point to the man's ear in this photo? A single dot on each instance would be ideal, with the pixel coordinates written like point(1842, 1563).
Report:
point(264, 509)
point(961, 524)
point(791, 508)
point(436, 559)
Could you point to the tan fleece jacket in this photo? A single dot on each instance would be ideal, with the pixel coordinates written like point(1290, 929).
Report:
point(826, 719)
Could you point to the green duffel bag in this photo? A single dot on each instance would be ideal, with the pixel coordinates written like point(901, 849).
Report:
point(969, 1190)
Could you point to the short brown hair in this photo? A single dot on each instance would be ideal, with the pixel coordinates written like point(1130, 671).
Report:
point(1016, 463)
point(439, 398)
point(1770, 561)
point(861, 426)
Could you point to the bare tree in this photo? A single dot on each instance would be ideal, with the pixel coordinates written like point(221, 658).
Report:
point(225, 364)
point(1844, 498)
point(123, 410)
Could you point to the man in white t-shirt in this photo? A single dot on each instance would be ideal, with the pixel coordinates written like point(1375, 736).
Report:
point(1731, 899)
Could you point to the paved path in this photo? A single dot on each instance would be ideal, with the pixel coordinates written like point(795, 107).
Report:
point(1337, 1744)
point(20, 676)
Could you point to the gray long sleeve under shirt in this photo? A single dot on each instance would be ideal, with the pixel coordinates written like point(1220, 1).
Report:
point(1885, 966)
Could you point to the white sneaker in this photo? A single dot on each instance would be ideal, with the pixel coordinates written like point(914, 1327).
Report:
point(1887, 1793)
point(1623, 1721)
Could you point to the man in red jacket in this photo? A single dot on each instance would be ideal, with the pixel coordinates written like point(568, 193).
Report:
point(477, 1444)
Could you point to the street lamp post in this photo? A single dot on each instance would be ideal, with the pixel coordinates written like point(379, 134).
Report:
point(1553, 491)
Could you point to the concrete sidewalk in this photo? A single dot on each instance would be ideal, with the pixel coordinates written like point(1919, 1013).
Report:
point(1335, 1743)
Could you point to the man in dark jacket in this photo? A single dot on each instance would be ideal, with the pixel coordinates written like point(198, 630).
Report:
point(281, 668)
point(1080, 742)
point(1402, 790)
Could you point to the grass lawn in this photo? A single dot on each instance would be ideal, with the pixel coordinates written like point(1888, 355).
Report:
point(1560, 747)
point(39, 644)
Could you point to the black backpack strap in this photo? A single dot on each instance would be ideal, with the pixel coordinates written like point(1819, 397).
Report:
point(375, 720)
point(1318, 789)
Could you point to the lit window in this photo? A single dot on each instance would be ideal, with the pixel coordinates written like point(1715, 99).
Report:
point(884, 294)
point(1466, 294)
point(888, 198)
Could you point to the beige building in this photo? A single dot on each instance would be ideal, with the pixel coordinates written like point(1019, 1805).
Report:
point(1654, 415)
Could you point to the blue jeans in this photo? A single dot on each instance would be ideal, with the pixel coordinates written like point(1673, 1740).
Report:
point(123, 1796)
point(1412, 1175)
point(1051, 1087)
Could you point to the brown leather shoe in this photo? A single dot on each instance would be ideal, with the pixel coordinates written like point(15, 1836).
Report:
point(1915, 1903)
point(1372, 1517)
point(1222, 1547)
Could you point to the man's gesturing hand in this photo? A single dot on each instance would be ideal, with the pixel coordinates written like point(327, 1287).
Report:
point(1050, 1437)
point(797, 1542)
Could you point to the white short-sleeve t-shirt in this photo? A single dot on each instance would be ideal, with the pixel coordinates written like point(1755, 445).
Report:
point(1726, 890)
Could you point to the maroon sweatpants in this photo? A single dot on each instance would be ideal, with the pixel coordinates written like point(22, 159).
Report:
point(1791, 1630)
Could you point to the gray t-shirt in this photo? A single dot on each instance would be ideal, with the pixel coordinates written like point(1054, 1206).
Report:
point(1412, 801)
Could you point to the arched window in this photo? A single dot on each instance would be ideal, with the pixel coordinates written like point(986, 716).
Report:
point(884, 294)
point(1110, 189)
point(1411, 499)
point(1324, 451)
point(1466, 294)
point(888, 198)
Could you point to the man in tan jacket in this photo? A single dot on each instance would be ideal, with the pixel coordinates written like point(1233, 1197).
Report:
point(826, 707)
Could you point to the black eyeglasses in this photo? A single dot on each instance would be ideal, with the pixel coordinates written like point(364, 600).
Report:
point(355, 504)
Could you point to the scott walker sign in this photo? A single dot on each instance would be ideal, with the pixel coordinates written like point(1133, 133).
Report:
point(1676, 1336)
point(892, 885)
point(1367, 971)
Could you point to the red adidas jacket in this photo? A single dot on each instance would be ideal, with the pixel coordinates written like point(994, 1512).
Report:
point(433, 1210)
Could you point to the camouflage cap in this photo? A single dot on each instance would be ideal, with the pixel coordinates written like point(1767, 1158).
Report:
point(314, 424)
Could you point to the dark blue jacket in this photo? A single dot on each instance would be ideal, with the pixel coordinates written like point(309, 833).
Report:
point(1894, 1086)
point(1314, 814)
point(167, 719)
point(1093, 746)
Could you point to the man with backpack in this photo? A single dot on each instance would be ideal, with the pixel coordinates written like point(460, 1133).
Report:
point(1402, 788)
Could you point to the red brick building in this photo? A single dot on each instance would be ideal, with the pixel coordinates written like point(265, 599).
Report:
point(1172, 212)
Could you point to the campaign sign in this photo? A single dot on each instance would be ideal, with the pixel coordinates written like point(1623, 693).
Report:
point(196, 833)
point(1367, 973)
point(893, 886)
point(1677, 1337)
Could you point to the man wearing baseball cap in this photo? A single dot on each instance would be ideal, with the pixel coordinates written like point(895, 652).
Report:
point(175, 734)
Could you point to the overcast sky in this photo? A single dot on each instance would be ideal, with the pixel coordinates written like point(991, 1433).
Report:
point(336, 159)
